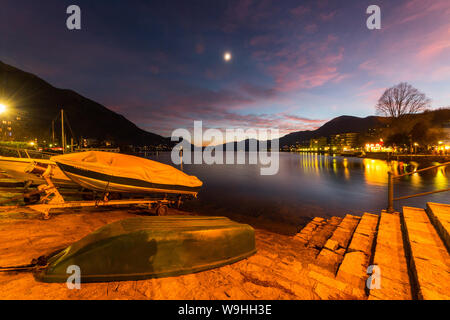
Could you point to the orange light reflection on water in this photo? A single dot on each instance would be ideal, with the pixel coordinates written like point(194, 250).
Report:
point(375, 171)
point(441, 179)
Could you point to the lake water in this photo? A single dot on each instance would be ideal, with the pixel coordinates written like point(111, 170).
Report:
point(309, 185)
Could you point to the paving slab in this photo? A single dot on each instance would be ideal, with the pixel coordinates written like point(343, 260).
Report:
point(323, 233)
point(331, 256)
point(344, 232)
point(364, 234)
point(307, 232)
point(353, 269)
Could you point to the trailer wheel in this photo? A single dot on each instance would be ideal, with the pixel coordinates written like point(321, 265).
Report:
point(32, 199)
point(162, 210)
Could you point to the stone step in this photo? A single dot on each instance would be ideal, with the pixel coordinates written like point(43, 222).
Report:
point(391, 261)
point(329, 288)
point(307, 232)
point(331, 256)
point(439, 215)
point(323, 233)
point(353, 269)
point(429, 258)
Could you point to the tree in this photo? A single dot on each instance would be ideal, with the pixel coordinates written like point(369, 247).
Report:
point(400, 100)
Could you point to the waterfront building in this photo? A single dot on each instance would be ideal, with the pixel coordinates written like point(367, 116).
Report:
point(344, 141)
point(319, 144)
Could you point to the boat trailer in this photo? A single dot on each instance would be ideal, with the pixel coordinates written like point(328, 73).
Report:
point(50, 198)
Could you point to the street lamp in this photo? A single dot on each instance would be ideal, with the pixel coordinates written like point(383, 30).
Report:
point(415, 147)
point(2, 108)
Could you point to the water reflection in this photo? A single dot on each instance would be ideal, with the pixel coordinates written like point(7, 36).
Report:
point(441, 179)
point(310, 185)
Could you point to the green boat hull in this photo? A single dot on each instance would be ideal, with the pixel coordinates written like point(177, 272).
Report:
point(153, 247)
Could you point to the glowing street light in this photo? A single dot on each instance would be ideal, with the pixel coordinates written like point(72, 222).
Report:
point(2, 108)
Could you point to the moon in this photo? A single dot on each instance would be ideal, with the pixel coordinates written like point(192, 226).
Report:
point(227, 56)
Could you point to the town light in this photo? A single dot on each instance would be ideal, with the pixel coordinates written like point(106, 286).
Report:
point(2, 108)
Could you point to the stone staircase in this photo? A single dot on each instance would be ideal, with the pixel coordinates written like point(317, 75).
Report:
point(410, 251)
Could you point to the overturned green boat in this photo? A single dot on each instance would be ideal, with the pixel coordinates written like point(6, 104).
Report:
point(153, 247)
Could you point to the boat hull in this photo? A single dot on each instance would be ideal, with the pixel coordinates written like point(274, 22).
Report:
point(16, 168)
point(98, 181)
point(153, 247)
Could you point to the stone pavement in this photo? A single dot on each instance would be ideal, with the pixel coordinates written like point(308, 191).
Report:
point(327, 259)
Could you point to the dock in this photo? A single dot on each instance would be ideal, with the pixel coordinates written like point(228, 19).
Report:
point(327, 259)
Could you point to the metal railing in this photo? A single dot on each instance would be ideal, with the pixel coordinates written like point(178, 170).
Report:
point(391, 178)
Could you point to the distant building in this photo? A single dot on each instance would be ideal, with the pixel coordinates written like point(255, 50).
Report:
point(9, 127)
point(89, 142)
point(318, 144)
point(344, 141)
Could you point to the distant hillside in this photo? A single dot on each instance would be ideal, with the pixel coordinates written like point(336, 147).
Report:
point(341, 124)
point(38, 103)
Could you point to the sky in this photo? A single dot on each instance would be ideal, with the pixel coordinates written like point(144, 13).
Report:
point(294, 66)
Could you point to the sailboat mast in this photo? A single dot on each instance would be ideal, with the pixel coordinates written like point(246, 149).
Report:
point(63, 139)
point(53, 132)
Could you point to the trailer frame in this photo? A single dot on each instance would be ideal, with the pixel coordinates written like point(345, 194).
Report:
point(52, 199)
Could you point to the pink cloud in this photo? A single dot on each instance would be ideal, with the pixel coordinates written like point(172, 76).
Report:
point(303, 119)
point(370, 94)
point(415, 10)
point(245, 12)
point(313, 65)
point(311, 28)
point(300, 11)
point(261, 40)
point(435, 44)
point(327, 16)
point(439, 74)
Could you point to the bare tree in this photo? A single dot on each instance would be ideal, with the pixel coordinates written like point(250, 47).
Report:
point(400, 100)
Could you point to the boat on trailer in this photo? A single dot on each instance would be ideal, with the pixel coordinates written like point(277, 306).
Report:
point(153, 247)
point(120, 173)
point(113, 180)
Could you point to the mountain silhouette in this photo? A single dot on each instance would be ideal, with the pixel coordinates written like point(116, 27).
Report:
point(38, 103)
